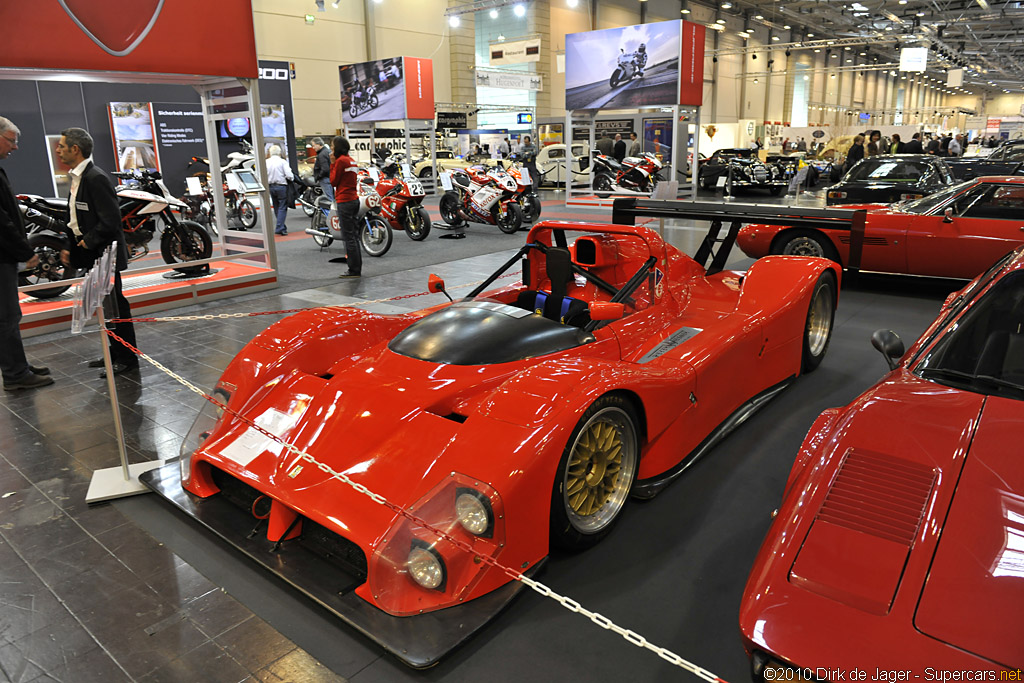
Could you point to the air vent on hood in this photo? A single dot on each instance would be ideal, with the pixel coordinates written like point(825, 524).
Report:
point(879, 495)
point(869, 241)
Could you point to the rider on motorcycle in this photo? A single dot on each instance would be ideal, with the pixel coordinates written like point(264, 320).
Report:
point(640, 59)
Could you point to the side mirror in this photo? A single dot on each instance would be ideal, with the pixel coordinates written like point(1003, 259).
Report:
point(435, 284)
point(947, 215)
point(890, 345)
point(606, 310)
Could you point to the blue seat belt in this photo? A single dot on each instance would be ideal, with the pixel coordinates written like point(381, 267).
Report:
point(566, 303)
point(538, 303)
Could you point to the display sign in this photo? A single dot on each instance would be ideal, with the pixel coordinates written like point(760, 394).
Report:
point(134, 138)
point(524, 118)
point(184, 37)
point(646, 65)
point(387, 90)
point(452, 119)
point(613, 126)
point(515, 52)
point(975, 122)
point(913, 59)
point(658, 138)
point(954, 78)
point(516, 80)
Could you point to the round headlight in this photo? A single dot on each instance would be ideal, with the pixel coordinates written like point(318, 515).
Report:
point(472, 514)
point(425, 568)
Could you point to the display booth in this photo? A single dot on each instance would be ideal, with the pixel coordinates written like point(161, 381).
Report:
point(656, 68)
point(102, 44)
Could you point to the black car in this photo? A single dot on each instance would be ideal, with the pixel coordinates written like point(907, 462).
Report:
point(1007, 159)
point(741, 167)
point(891, 178)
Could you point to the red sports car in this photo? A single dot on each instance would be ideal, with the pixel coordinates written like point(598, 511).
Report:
point(511, 419)
point(899, 546)
point(956, 232)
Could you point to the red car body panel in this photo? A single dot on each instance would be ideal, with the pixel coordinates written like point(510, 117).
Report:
point(900, 242)
point(327, 382)
point(899, 544)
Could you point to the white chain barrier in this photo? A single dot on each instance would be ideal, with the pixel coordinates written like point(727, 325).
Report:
point(600, 620)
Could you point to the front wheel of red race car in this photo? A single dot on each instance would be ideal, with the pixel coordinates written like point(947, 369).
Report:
point(595, 474)
point(820, 316)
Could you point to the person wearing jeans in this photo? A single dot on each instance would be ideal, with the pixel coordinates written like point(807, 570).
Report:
point(344, 175)
point(278, 175)
point(322, 167)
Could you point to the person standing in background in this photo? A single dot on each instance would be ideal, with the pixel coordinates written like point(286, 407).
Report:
point(896, 147)
point(344, 176)
point(634, 145)
point(278, 175)
point(96, 222)
point(503, 148)
point(528, 155)
point(619, 149)
point(933, 146)
point(605, 145)
point(914, 146)
point(874, 146)
point(955, 147)
point(856, 152)
point(15, 254)
point(322, 167)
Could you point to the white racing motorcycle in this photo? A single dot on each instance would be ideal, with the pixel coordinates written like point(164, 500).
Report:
point(625, 71)
point(375, 234)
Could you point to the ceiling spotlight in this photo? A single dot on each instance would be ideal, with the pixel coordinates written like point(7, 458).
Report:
point(719, 21)
point(920, 14)
point(494, 14)
point(454, 21)
point(832, 76)
point(726, 5)
point(572, 3)
point(806, 77)
point(759, 17)
point(810, 35)
point(755, 80)
point(775, 37)
point(786, 27)
point(817, 49)
point(519, 10)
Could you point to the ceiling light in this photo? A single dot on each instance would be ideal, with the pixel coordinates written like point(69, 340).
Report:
point(786, 27)
point(920, 14)
point(848, 61)
point(726, 5)
point(775, 37)
point(519, 10)
point(494, 14)
point(806, 77)
point(684, 11)
point(719, 21)
point(744, 35)
point(335, 4)
point(755, 80)
point(810, 35)
point(817, 49)
point(759, 16)
point(572, 3)
point(454, 21)
point(983, 4)
point(833, 76)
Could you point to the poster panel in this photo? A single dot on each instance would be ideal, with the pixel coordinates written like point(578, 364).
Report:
point(691, 71)
point(208, 38)
point(374, 91)
point(658, 138)
point(131, 125)
point(622, 68)
point(275, 132)
point(419, 88)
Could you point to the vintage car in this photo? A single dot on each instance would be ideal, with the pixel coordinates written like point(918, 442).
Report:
point(1007, 159)
point(890, 178)
point(446, 161)
point(955, 233)
point(494, 427)
point(899, 544)
point(741, 168)
point(551, 163)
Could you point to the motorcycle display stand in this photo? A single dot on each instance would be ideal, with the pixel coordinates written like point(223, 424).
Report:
point(587, 118)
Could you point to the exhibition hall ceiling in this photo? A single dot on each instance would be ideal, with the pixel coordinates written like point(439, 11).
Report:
point(983, 36)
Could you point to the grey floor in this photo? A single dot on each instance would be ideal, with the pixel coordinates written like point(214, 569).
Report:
point(131, 591)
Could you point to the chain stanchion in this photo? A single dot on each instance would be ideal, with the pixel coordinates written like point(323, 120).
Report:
point(538, 587)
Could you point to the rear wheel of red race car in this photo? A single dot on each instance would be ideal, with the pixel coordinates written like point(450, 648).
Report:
point(820, 316)
point(595, 474)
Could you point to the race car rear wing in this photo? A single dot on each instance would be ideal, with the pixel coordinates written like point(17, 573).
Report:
point(626, 210)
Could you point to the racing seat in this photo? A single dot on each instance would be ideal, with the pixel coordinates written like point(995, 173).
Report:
point(555, 305)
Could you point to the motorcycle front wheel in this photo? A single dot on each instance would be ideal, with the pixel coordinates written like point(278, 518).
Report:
point(512, 220)
point(616, 78)
point(602, 184)
point(186, 241)
point(319, 223)
point(376, 236)
point(308, 202)
point(417, 225)
point(50, 268)
point(531, 207)
point(247, 213)
point(373, 102)
point(449, 208)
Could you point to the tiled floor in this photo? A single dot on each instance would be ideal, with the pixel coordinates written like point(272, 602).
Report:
point(91, 594)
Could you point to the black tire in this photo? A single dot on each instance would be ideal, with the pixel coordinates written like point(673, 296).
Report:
point(531, 207)
point(616, 77)
point(449, 207)
point(186, 241)
point(308, 203)
point(353, 110)
point(707, 182)
point(246, 213)
point(50, 268)
point(594, 460)
point(418, 224)
point(373, 102)
point(428, 172)
point(375, 241)
point(319, 223)
point(513, 219)
point(804, 243)
point(602, 184)
point(820, 317)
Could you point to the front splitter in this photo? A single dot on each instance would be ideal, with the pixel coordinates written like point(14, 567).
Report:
point(419, 641)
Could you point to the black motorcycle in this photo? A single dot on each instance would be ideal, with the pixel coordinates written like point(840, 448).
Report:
point(46, 221)
point(311, 192)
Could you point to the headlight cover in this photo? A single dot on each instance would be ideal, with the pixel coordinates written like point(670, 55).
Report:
point(201, 428)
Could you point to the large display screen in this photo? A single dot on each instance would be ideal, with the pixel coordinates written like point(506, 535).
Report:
point(387, 90)
point(646, 65)
point(132, 126)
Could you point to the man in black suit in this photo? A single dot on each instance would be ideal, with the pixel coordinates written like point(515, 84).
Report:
point(914, 146)
point(619, 148)
point(15, 254)
point(96, 222)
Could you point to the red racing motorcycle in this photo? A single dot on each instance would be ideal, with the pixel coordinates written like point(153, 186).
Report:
point(479, 198)
point(401, 202)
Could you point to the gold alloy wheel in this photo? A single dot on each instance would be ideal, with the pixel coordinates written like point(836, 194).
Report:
point(600, 469)
point(819, 321)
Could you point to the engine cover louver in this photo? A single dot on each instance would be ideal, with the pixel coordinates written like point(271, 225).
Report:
point(871, 241)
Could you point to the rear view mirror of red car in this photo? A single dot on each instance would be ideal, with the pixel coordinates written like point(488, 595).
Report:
point(435, 284)
point(606, 310)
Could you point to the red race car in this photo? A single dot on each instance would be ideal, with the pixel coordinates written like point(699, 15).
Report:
point(899, 546)
point(512, 419)
point(955, 233)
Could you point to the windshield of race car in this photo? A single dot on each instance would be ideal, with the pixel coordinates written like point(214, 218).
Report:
point(887, 170)
point(926, 204)
point(984, 351)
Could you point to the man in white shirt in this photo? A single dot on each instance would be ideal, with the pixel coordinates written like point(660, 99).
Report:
point(278, 175)
point(955, 148)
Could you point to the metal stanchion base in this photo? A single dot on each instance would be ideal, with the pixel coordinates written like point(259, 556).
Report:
point(109, 483)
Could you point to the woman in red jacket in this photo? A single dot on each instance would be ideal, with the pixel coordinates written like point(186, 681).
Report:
point(344, 174)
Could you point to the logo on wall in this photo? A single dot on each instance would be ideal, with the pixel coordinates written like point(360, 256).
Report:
point(269, 74)
point(116, 29)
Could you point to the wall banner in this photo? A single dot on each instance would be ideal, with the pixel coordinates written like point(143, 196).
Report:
point(517, 80)
point(515, 52)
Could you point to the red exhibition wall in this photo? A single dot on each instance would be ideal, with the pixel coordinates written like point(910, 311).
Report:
point(419, 88)
point(691, 67)
point(189, 37)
